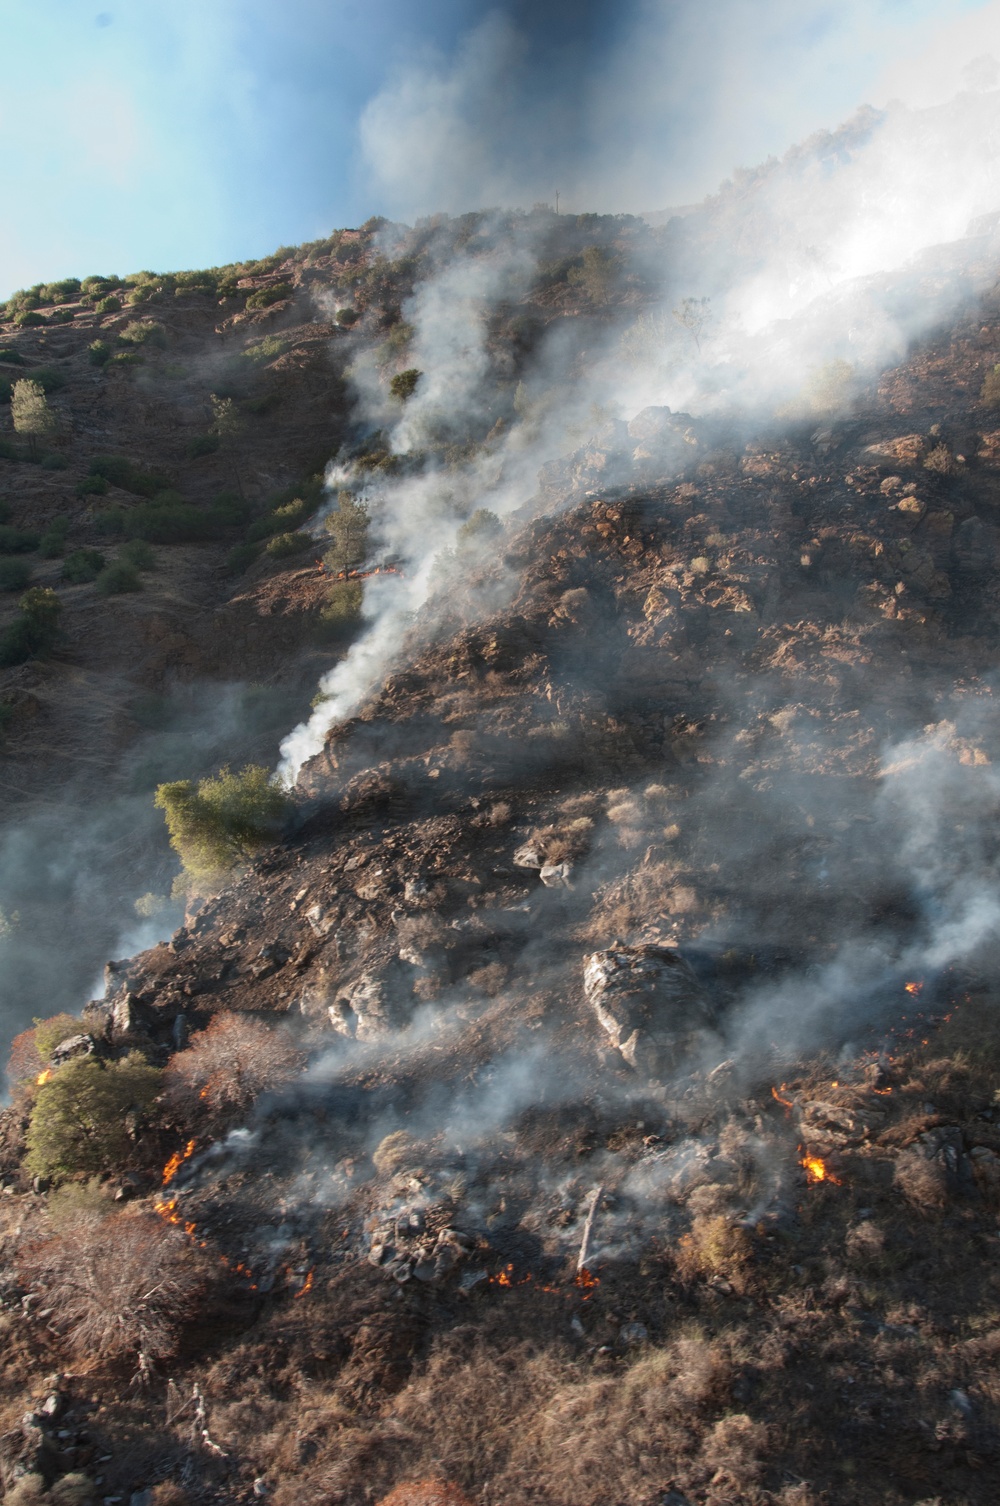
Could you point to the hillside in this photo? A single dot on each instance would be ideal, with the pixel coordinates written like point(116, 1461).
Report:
point(590, 1094)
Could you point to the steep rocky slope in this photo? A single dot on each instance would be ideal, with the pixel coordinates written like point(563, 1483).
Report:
point(592, 1096)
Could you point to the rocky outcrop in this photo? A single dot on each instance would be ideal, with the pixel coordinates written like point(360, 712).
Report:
point(650, 1004)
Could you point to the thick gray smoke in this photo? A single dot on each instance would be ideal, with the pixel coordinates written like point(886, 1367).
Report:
point(806, 279)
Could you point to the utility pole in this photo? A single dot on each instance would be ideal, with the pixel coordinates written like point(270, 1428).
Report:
point(557, 203)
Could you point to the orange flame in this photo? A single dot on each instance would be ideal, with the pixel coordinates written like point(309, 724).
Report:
point(817, 1170)
point(306, 1286)
point(177, 1161)
point(786, 1103)
point(914, 988)
point(43, 1077)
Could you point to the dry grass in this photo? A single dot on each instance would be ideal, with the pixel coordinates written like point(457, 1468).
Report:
point(394, 1152)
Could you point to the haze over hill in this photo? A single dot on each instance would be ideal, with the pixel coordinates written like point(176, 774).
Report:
point(572, 1079)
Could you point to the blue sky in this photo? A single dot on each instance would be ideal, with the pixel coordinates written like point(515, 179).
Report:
point(138, 133)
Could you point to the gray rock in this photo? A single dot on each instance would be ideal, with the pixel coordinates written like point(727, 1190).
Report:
point(632, 1334)
point(73, 1046)
point(556, 875)
point(528, 856)
point(649, 1003)
point(320, 922)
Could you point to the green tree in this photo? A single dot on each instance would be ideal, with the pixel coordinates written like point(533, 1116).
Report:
point(348, 527)
point(597, 271)
point(404, 383)
point(81, 1118)
point(31, 412)
point(228, 425)
point(218, 823)
point(693, 314)
point(34, 630)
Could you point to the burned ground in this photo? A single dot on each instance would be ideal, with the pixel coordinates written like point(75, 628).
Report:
point(717, 693)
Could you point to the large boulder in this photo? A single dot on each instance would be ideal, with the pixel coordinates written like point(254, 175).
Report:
point(651, 1005)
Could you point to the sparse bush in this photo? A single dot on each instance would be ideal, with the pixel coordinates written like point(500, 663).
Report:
point(84, 1117)
point(28, 319)
point(14, 574)
point(204, 444)
point(138, 554)
point(714, 1247)
point(241, 558)
point(118, 579)
point(990, 390)
point(49, 378)
point(12, 357)
point(54, 462)
point(83, 566)
point(229, 1064)
point(120, 471)
point(404, 383)
point(221, 822)
point(119, 1285)
point(347, 317)
point(98, 352)
point(393, 1152)
point(267, 349)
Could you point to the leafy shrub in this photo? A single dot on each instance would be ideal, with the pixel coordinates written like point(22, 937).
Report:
point(34, 631)
point(130, 477)
point(98, 352)
point(17, 540)
point(62, 316)
point(14, 574)
point(263, 298)
point(220, 822)
point(119, 1284)
point(109, 305)
point(24, 298)
point(66, 290)
point(7, 450)
point(49, 378)
point(230, 1064)
point(204, 444)
point(92, 486)
point(118, 579)
point(53, 540)
point(347, 317)
point(285, 545)
point(6, 389)
point(83, 566)
point(79, 1121)
point(241, 558)
point(12, 357)
point(51, 1032)
point(343, 608)
point(138, 554)
point(267, 349)
point(54, 462)
point(283, 519)
point(28, 319)
point(404, 383)
point(144, 332)
point(174, 523)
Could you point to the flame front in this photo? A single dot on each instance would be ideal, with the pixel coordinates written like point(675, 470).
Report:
point(816, 1170)
point(177, 1161)
point(914, 988)
point(786, 1103)
point(43, 1077)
